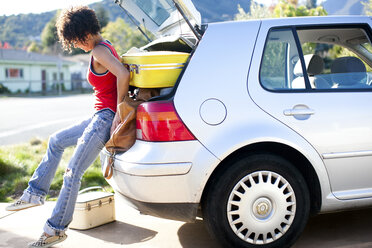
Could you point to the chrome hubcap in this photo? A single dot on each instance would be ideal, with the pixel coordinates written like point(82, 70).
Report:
point(261, 207)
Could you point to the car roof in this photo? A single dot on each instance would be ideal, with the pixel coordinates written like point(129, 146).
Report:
point(319, 19)
point(305, 20)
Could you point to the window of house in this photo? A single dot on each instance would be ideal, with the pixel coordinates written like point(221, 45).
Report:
point(14, 73)
point(55, 77)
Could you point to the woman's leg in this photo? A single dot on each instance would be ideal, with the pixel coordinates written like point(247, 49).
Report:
point(39, 183)
point(88, 148)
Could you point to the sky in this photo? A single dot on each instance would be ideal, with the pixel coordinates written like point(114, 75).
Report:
point(15, 7)
point(10, 7)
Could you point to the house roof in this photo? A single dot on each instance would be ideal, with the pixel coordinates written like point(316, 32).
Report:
point(24, 56)
point(85, 58)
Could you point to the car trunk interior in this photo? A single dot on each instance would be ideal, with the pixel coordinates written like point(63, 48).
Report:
point(177, 43)
point(177, 26)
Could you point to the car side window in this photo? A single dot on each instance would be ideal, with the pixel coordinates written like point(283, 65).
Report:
point(335, 58)
point(339, 58)
point(277, 71)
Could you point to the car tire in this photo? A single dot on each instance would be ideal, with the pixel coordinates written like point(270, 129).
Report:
point(260, 200)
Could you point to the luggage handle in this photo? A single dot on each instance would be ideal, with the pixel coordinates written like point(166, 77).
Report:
point(99, 204)
point(132, 68)
point(91, 189)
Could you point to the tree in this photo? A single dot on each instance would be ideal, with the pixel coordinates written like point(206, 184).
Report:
point(284, 9)
point(49, 37)
point(18, 30)
point(257, 11)
point(33, 47)
point(367, 7)
point(293, 2)
point(102, 15)
point(123, 36)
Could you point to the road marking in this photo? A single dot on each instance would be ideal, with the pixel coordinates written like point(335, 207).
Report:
point(37, 126)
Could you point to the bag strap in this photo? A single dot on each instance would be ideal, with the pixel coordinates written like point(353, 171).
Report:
point(108, 167)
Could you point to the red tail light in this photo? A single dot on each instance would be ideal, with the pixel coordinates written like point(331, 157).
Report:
point(159, 121)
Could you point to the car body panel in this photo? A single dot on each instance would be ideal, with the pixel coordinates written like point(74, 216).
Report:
point(164, 182)
point(238, 129)
point(345, 143)
point(223, 73)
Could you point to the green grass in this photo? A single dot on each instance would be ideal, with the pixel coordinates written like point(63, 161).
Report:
point(18, 163)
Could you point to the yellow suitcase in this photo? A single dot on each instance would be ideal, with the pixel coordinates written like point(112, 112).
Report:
point(93, 209)
point(157, 69)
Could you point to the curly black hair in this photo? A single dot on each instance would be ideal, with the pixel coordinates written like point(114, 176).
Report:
point(74, 24)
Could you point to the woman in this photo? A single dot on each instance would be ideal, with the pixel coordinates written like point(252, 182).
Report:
point(80, 28)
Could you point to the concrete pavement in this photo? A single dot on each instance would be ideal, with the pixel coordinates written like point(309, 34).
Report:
point(131, 229)
point(351, 229)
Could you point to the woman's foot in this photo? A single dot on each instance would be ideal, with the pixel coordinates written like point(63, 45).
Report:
point(47, 241)
point(20, 205)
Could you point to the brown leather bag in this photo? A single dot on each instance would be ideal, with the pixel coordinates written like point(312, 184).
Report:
point(124, 135)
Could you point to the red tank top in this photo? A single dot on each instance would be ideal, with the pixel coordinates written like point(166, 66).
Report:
point(104, 84)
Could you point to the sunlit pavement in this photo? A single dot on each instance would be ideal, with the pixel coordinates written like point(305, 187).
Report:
point(351, 229)
point(131, 229)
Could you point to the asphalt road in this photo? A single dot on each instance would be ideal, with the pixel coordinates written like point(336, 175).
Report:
point(25, 118)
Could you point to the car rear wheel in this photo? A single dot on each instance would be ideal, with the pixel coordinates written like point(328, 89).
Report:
point(258, 201)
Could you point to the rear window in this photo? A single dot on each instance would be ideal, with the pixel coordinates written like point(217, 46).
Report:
point(157, 10)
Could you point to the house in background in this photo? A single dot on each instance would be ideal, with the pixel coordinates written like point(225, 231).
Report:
point(22, 71)
point(78, 71)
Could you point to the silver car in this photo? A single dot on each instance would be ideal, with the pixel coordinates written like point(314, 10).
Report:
point(269, 122)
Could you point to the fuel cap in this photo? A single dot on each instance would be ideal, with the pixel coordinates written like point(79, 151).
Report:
point(213, 111)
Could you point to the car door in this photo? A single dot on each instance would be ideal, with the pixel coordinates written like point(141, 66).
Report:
point(330, 104)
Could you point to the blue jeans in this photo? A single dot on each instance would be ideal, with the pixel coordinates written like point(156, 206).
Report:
point(90, 137)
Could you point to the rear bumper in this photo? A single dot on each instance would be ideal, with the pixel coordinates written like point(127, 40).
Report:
point(165, 179)
point(175, 211)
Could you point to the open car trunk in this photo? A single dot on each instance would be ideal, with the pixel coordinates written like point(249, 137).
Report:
point(176, 26)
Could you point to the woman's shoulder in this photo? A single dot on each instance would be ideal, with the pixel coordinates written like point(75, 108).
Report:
point(100, 50)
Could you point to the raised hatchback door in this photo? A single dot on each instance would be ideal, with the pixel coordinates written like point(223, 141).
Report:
point(161, 17)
